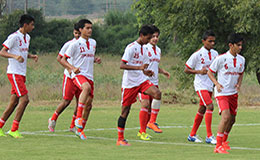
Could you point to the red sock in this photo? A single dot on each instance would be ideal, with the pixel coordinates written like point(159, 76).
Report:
point(148, 119)
point(80, 109)
point(208, 120)
point(73, 121)
point(143, 116)
point(55, 116)
point(2, 123)
point(225, 136)
point(219, 139)
point(154, 114)
point(83, 125)
point(120, 132)
point(196, 124)
point(15, 126)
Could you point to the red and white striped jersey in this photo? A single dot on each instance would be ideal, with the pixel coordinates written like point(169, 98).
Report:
point(134, 55)
point(62, 53)
point(82, 54)
point(228, 69)
point(18, 44)
point(198, 60)
point(154, 55)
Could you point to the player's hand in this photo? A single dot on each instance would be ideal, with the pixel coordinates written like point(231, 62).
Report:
point(219, 87)
point(35, 57)
point(237, 87)
point(149, 73)
point(144, 66)
point(19, 59)
point(203, 70)
point(76, 70)
point(167, 74)
point(97, 60)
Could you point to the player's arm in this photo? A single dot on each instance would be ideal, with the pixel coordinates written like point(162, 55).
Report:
point(239, 82)
point(68, 66)
point(164, 72)
point(32, 56)
point(143, 67)
point(214, 80)
point(192, 71)
point(5, 54)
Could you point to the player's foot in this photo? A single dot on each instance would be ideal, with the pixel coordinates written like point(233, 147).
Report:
point(81, 135)
point(15, 134)
point(221, 150)
point(144, 136)
point(78, 123)
point(226, 146)
point(154, 127)
point(194, 138)
point(51, 125)
point(74, 129)
point(122, 143)
point(211, 140)
point(2, 134)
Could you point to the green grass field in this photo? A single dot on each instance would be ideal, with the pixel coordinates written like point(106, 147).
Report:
point(175, 120)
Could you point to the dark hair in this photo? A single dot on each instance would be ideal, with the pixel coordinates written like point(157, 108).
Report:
point(76, 26)
point(235, 38)
point(156, 29)
point(26, 18)
point(146, 29)
point(82, 22)
point(208, 33)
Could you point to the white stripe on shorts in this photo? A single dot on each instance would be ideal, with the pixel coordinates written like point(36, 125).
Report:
point(64, 86)
point(16, 85)
point(202, 98)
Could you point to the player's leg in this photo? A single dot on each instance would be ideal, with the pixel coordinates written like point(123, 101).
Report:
point(72, 125)
point(8, 111)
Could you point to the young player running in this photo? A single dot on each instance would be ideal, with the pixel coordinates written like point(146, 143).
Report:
point(229, 68)
point(148, 114)
point(69, 89)
point(135, 63)
point(82, 54)
point(16, 50)
point(198, 64)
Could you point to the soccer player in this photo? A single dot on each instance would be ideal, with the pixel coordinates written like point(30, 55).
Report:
point(229, 68)
point(69, 89)
point(148, 114)
point(198, 64)
point(16, 50)
point(82, 55)
point(135, 63)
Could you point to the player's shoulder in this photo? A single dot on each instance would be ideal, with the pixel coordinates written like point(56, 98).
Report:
point(13, 35)
point(222, 56)
point(213, 51)
point(240, 57)
point(159, 49)
point(131, 46)
point(93, 41)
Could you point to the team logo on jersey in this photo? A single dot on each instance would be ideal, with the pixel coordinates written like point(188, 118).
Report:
point(149, 54)
point(226, 66)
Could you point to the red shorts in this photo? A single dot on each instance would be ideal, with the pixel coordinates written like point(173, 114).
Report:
point(69, 89)
point(143, 96)
point(129, 94)
point(18, 84)
point(80, 79)
point(227, 102)
point(205, 97)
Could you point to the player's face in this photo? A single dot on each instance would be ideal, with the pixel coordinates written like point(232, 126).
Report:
point(146, 39)
point(237, 47)
point(76, 34)
point(29, 27)
point(209, 43)
point(87, 30)
point(155, 38)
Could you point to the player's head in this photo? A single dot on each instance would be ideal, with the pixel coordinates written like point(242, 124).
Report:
point(27, 22)
point(155, 37)
point(145, 33)
point(208, 39)
point(235, 42)
point(85, 28)
point(76, 31)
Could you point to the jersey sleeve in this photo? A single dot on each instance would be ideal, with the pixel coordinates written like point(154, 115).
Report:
point(70, 51)
point(215, 65)
point(64, 49)
point(191, 63)
point(127, 54)
point(9, 42)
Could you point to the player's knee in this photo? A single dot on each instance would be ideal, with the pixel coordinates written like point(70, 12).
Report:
point(157, 94)
point(89, 107)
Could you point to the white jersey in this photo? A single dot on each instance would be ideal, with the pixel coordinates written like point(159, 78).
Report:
point(18, 44)
point(135, 55)
point(228, 69)
point(154, 55)
point(62, 53)
point(198, 60)
point(82, 54)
